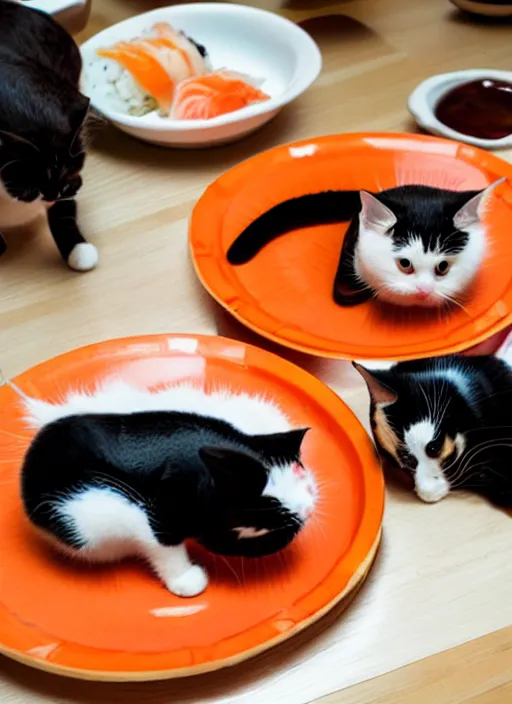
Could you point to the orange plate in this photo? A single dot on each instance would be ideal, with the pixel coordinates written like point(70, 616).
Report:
point(284, 293)
point(117, 622)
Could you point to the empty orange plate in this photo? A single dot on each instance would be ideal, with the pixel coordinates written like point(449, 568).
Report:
point(119, 622)
point(285, 292)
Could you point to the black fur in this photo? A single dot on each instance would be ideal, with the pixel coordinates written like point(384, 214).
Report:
point(305, 211)
point(195, 477)
point(427, 212)
point(42, 113)
point(481, 415)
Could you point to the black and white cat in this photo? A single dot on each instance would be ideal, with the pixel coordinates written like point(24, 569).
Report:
point(124, 472)
point(446, 421)
point(408, 246)
point(42, 117)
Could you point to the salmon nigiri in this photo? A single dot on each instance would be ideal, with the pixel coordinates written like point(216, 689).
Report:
point(193, 55)
point(214, 94)
point(146, 69)
point(158, 61)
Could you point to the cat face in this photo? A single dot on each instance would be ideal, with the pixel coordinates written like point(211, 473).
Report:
point(420, 246)
point(262, 500)
point(420, 422)
point(44, 162)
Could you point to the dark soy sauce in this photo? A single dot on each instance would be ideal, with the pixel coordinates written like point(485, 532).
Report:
point(481, 108)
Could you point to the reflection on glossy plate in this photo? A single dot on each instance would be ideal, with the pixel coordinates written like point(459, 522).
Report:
point(117, 622)
point(285, 292)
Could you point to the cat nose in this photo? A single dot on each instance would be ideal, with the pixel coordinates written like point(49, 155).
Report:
point(424, 290)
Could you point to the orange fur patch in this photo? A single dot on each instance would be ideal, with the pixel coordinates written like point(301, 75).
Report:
point(448, 448)
point(385, 433)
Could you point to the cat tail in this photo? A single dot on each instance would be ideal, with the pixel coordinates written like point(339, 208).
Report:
point(305, 211)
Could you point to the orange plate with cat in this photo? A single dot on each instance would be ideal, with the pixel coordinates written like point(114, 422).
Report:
point(285, 292)
point(119, 622)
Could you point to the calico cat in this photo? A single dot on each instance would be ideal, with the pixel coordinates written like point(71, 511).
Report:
point(42, 118)
point(409, 246)
point(127, 472)
point(446, 421)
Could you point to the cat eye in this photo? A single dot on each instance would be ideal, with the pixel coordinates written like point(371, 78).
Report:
point(405, 265)
point(442, 268)
point(433, 448)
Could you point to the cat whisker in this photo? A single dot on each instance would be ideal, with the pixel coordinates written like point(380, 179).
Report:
point(323, 484)
point(9, 163)
point(230, 568)
point(121, 486)
point(475, 470)
point(492, 427)
point(18, 138)
point(473, 452)
point(427, 401)
point(318, 525)
point(453, 301)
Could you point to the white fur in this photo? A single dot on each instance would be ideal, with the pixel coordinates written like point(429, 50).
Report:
point(456, 377)
point(375, 263)
point(15, 213)
point(253, 415)
point(113, 527)
point(295, 489)
point(83, 257)
point(430, 482)
point(505, 351)
point(375, 259)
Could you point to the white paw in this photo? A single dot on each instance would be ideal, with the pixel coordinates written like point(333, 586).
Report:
point(433, 489)
point(83, 257)
point(190, 583)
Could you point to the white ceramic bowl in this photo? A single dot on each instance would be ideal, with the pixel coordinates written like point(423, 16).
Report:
point(486, 9)
point(237, 37)
point(424, 98)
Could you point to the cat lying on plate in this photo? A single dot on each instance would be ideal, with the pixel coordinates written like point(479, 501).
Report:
point(124, 471)
point(446, 422)
point(408, 246)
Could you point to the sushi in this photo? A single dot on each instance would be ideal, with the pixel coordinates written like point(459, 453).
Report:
point(214, 94)
point(164, 70)
point(149, 68)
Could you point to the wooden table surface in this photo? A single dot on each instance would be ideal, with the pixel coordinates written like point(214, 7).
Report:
point(432, 623)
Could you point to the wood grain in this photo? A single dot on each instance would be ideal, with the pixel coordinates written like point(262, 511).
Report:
point(479, 672)
point(443, 575)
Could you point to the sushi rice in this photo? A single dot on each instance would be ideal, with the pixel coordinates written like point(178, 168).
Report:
point(116, 87)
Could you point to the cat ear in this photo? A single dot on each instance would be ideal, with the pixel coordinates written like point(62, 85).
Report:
point(234, 472)
point(282, 445)
point(380, 392)
point(471, 212)
point(375, 215)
